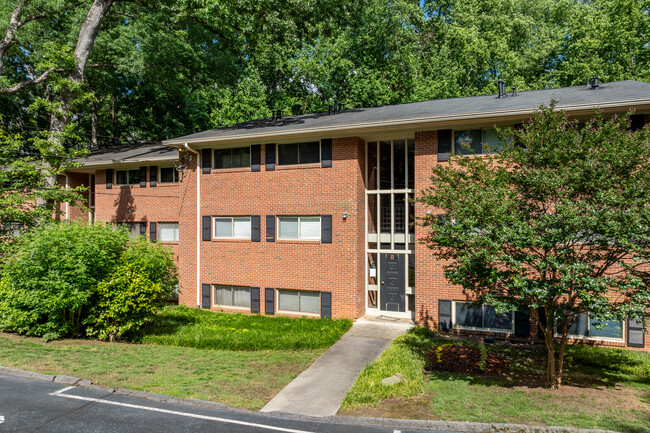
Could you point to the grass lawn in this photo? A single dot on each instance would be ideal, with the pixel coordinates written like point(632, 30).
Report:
point(240, 377)
point(604, 388)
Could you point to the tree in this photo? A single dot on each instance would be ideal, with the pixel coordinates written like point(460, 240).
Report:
point(557, 224)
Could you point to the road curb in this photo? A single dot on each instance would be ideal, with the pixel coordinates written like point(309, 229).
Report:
point(439, 426)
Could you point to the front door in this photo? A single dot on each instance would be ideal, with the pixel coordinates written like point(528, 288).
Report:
point(392, 289)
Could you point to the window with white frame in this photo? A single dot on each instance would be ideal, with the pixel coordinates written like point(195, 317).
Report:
point(476, 141)
point(168, 232)
point(299, 301)
point(299, 153)
point(232, 296)
point(589, 327)
point(127, 177)
point(168, 175)
point(232, 158)
point(299, 227)
point(482, 318)
point(232, 227)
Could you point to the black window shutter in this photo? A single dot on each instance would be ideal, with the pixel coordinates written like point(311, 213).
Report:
point(270, 157)
point(522, 324)
point(269, 301)
point(326, 305)
point(270, 228)
point(542, 321)
point(206, 160)
point(255, 228)
point(444, 314)
point(206, 227)
point(153, 175)
point(205, 295)
point(444, 144)
point(143, 177)
point(152, 231)
point(637, 121)
point(326, 152)
point(143, 229)
point(109, 178)
point(255, 300)
point(256, 157)
point(326, 229)
point(635, 334)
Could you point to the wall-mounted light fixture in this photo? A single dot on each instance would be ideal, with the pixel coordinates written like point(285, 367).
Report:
point(345, 215)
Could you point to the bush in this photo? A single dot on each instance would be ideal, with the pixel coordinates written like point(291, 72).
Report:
point(50, 275)
point(58, 273)
point(130, 297)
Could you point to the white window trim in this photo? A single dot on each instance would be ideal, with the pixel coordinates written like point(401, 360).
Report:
point(469, 328)
point(582, 337)
point(159, 231)
point(300, 238)
point(300, 313)
point(277, 154)
point(214, 298)
point(250, 158)
point(127, 177)
point(160, 175)
point(232, 226)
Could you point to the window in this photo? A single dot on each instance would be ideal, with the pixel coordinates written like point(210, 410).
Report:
point(132, 228)
point(304, 228)
point(299, 301)
point(299, 153)
point(168, 175)
point(13, 228)
point(483, 317)
point(476, 141)
point(168, 232)
point(127, 177)
point(232, 158)
point(587, 327)
point(232, 296)
point(232, 227)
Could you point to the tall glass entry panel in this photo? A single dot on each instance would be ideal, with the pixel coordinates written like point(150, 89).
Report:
point(390, 229)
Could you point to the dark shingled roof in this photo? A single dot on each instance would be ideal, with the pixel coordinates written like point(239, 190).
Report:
point(124, 154)
point(620, 93)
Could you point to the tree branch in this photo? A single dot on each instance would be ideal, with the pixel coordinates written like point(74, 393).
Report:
point(26, 83)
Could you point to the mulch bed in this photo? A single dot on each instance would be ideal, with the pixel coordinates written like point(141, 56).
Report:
point(457, 358)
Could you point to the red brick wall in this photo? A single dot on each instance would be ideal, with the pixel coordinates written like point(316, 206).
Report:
point(77, 213)
point(298, 190)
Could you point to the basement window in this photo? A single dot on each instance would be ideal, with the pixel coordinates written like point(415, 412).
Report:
point(232, 296)
point(586, 327)
point(299, 301)
point(127, 177)
point(299, 153)
point(482, 318)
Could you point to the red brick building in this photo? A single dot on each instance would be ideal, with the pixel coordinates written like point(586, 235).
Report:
point(312, 215)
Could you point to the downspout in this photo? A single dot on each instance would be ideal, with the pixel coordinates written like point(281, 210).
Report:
point(198, 223)
point(67, 204)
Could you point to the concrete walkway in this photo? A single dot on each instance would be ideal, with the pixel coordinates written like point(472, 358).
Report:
point(320, 390)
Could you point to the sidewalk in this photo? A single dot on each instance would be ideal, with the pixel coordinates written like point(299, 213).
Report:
point(320, 390)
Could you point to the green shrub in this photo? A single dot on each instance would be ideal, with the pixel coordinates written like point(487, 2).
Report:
point(49, 277)
point(59, 273)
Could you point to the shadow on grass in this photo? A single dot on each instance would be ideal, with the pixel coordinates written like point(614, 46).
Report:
point(165, 323)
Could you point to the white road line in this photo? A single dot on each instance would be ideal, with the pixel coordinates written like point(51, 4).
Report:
point(60, 392)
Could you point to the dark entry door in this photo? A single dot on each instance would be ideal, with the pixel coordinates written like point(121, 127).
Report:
point(392, 293)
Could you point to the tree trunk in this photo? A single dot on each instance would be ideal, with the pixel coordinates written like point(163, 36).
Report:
point(94, 142)
point(551, 376)
point(60, 119)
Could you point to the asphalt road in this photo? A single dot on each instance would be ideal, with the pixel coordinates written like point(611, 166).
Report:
point(28, 405)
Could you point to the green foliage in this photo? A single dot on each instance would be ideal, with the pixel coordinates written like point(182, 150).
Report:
point(483, 360)
point(560, 221)
point(191, 327)
point(61, 277)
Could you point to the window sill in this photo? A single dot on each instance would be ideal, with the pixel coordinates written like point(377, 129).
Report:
point(298, 166)
point(230, 240)
point(231, 307)
point(594, 339)
point(298, 313)
point(298, 241)
point(500, 331)
point(230, 170)
point(169, 242)
point(165, 184)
